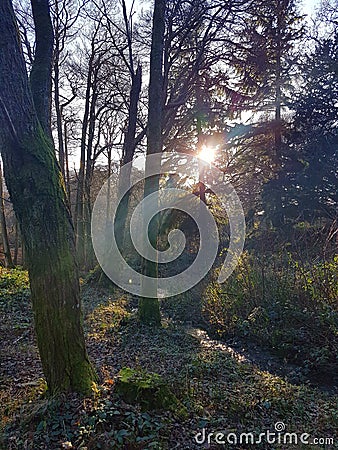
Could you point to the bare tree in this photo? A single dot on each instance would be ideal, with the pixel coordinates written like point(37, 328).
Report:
point(149, 310)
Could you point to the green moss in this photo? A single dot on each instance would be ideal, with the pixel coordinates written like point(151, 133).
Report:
point(149, 390)
point(43, 149)
point(149, 312)
point(84, 384)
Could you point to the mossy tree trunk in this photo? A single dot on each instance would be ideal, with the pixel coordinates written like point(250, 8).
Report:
point(149, 310)
point(36, 189)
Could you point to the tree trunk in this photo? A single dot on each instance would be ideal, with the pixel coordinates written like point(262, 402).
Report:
point(149, 310)
point(58, 112)
point(41, 73)
point(278, 91)
point(128, 152)
point(89, 257)
point(89, 260)
point(16, 243)
point(200, 137)
point(36, 188)
point(80, 193)
point(4, 234)
point(278, 218)
point(67, 176)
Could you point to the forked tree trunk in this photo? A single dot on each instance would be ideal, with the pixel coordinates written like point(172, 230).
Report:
point(36, 189)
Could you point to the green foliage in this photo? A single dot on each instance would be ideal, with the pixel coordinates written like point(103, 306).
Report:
point(108, 317)
point(306, 182)
point(102, 424)
point(13, 283)
point(320, 281)
point(218, 391)
point(273, 29)
point(290, 309)
point(108, 425)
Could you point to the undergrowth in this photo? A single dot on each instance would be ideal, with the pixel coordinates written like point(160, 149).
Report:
point(287, 306)
point(216, 391)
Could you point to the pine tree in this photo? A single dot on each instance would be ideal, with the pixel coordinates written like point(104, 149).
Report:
point(267, 63)
point(310, 160)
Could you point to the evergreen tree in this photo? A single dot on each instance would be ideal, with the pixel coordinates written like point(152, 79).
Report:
point(267, 63)
point(309, 171)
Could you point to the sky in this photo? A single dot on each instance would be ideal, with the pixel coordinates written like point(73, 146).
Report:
point(309, 6)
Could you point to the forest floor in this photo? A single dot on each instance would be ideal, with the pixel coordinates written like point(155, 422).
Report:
point(220, 387)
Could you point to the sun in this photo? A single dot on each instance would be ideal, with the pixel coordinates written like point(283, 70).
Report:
point(207, 154)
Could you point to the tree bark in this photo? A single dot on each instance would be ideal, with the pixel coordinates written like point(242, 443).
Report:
point(89, 256)
point(278, 219)
point(16, 243)
point(36, 189)
point(41, 73)
point(128, 152)
point(200, 137)
point(4, 233)
point(67, 176)
point(58, 113)
point(149, 310)
point(79, 216)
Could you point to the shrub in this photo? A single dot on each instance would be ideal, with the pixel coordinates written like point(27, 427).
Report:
point(288, 307)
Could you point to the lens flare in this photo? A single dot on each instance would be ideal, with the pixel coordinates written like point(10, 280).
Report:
point(207, 154)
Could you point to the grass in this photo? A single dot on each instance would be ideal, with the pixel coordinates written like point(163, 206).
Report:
point(219, 391)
